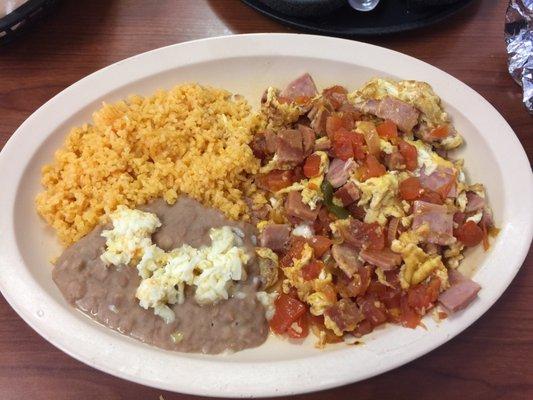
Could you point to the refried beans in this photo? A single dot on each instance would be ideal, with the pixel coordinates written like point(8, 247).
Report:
point(107, 293)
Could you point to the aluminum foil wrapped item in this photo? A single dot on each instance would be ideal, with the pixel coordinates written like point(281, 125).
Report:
point(519, 39)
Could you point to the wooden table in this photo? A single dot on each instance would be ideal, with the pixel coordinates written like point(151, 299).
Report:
point(490, 360)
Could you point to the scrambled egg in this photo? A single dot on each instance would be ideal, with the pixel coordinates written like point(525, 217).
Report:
point(379, 198)
point(428, 159)
point(131, 233)
point(164, 275)
point(419, 94)
point(386, 147)
point(418, 265)
point(310, 188)
point(280, 114)
point(311, 291)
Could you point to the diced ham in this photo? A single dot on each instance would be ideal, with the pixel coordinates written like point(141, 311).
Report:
point(302, 87)
point(348, 193)
point(474, 202)
point(438, 218)
point(339, 171)
point(395, 161)
point(323, 144)
point(439, 180)
point(295, 207)
point(368, 107)
point(359, 235)
point(308, 139)
point(289, 146)
point(318, 116)
point(346, 258)
point(275, 236)
point(386, 259)
point(350, 109)
point(264, 144)
point(404, 115)
point(461, 292)
point(401, 113)
point(345, 314)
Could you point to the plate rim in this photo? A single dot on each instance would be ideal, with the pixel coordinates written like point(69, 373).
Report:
point(204, 45)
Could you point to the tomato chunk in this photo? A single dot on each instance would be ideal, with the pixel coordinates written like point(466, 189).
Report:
point(423, 296)
point(410, 189)
point(348, 144)
point(409, 317)
point(276, 180)
point(301, 330)
point(294, 252)
point(288, 310)
point(320, 245)
point(372, 168)
point(408, 151)
point(440, 132)
point(387, 130)
point(312, 270)
point(469, 234)
point(312, 166)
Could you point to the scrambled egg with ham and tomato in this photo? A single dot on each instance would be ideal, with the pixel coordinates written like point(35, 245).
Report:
point(211, 269)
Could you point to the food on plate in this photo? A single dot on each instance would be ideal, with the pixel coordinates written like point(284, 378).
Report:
point(190, 139)
point(194, 223)
point(367, 214)
point(181, 277)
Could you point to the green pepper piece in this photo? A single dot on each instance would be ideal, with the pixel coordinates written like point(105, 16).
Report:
point(327, 191)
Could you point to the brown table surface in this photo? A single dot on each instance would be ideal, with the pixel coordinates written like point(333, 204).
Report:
point(490, 360)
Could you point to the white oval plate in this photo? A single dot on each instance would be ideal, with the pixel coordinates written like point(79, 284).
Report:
point(247, 64)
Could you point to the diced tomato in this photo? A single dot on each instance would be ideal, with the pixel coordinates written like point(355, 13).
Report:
point(410, 189)
point(387, 130)
point(312, 166)
point(320, 245)
point(440, 132)
point(409, 317)
point(372, 168)
point(358, 142)
point(312, 270)
point(469, 234)
point(302, 329)
point(333, 124)
point(348, 144)
point(295, 251)
point(276, 180)
point(431, 197)
point(288, 310)
point(408, 151)
point(342, 144)
point(348, 122)
point(422, 296)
